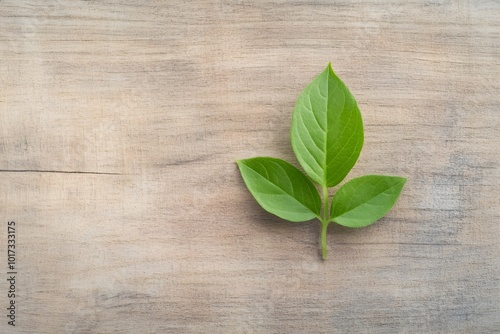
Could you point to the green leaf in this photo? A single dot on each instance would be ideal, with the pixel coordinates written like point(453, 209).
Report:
point(363, 200)
point(327, 130)
point(280, 188)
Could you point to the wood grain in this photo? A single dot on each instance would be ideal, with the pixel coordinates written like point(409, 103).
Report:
point(120, 124)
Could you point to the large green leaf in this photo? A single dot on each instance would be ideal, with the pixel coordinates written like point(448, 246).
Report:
point(280, 188)
point(327, 130)
point(363, 200)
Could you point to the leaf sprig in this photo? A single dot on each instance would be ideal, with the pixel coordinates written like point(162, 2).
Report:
point(327, 137)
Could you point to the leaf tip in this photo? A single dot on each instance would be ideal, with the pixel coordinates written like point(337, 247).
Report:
point(329, 66)
point(240, 162)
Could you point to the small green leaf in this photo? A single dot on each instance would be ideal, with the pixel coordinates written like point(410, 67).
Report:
point(327, 130)
point(280, 188)
point(363, 200)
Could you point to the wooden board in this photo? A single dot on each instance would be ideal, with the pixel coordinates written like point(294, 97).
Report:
point(120, 123)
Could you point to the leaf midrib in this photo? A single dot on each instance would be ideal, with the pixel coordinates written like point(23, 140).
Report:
point(325, 139)
point(328, 128)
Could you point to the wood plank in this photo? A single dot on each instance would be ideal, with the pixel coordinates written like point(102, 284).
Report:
point(120, 123)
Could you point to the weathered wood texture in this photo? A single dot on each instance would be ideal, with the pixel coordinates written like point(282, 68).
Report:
point(120, 124)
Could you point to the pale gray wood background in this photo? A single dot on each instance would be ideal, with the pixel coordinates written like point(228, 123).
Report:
point(120, 124)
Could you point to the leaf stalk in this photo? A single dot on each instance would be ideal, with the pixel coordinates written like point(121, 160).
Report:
point(324, 247)
point(324, 223)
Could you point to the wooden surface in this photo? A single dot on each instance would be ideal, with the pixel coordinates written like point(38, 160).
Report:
point(120, 124)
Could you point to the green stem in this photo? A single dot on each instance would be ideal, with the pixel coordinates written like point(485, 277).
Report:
point(324, 223)
point(325, 205)
point(324, 247)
